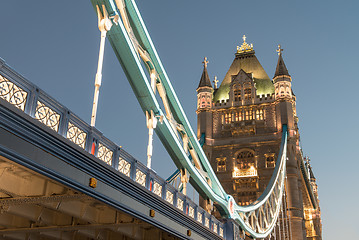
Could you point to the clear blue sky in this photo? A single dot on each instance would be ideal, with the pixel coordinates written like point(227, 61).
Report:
point(55, 45)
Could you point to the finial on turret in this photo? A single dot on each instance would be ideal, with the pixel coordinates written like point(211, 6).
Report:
point(215, 82)
point(205, 62)
point(245, 47)
point(279, 50)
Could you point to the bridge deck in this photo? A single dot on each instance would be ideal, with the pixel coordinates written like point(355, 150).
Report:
point(44, 139)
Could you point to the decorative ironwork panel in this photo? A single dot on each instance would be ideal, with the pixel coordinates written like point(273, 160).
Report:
point(206, 222)
point(140, 177)
point(215, 229)
point(124, 167)
point(13, 94)
point(47, 116)
point(180, 204)
point(104, 154)
point(221, 232)
point(76, 135)
point(169, 197)
point(191, 211)
point(199, 217)
point(157, 189)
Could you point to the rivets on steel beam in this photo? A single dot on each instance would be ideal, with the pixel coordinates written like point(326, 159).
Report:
point(152, 213)
point(189, 232)
point(93, 182)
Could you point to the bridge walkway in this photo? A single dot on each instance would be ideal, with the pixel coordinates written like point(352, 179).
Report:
point(65, 173)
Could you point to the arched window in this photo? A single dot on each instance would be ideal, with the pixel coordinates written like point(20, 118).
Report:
point(245, 160)
point(209, 100)
point(246, 165)
point(203, 101)
point(281, 90)
point(247, 93)
point(237, 92)
point(287, 90)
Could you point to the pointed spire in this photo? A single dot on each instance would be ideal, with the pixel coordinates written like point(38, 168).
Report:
point(281, 68)
point(205, 81)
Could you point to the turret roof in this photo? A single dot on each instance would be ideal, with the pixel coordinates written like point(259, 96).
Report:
point(205, 81)
point(281, 68)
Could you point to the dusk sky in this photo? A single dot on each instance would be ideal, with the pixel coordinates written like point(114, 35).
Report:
point(55, 45)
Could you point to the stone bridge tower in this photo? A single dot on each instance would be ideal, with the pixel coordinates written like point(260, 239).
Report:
point(241, 123)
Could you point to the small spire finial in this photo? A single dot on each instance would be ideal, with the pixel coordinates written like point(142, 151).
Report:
point(205, 62)
point(279, 50)
point(244, 38)
point(215, 81)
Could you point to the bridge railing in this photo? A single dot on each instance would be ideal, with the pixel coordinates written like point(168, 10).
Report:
point(27, 97)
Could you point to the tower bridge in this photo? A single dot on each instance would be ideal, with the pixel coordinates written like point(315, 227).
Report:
point(62, 179)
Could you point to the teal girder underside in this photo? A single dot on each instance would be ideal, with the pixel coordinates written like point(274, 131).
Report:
point(257, 219)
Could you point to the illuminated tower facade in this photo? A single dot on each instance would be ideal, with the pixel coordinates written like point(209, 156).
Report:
point(241, 127)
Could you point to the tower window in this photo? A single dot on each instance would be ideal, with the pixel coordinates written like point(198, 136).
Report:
point(238, 116)
point(247, 93)
point(249, 114)
point(227, 118)
point(281, 90)
point(246, 165)
point(237, 94)
point(270, 161)
point(259, 114)
point(221, 164)
point(204, 100)
point(208, 101)
point(245, 160)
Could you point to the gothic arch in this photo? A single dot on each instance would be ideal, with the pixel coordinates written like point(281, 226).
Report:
point(245, 159)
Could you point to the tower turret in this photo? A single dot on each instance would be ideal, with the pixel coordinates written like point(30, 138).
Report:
point(282, 80)
point(286, 106)
point(204, 103)
point(204, 90)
